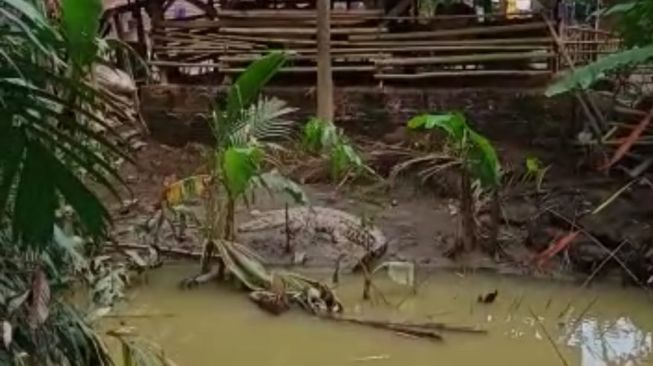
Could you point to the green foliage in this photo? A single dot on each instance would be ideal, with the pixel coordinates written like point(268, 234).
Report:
point(46, 122)
point(234, 117)
point(239, 166)
point(51, 115)
point(241, 123)
point(584, 77)
point(634, 20)
point(320, 137)
point(80, 23)
point(475, 151)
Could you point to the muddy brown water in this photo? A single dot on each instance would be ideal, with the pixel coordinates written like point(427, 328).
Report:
point(214, 325)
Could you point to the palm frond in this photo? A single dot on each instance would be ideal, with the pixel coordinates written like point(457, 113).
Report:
point(264, 120)
point(229, 117)
point(268, 119)
point(50, 121)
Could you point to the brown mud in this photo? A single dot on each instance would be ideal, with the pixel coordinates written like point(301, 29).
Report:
point(421, 222)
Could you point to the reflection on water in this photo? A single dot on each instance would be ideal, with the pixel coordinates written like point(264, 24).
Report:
point(611, 343)
point(211, 324)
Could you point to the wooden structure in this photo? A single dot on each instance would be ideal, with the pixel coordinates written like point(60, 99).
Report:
point(369, 42)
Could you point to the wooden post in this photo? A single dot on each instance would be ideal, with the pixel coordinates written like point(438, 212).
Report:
point(155, 9)
point(140, 31)
point(324, 76)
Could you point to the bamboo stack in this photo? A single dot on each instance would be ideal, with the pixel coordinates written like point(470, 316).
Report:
point(364, 42)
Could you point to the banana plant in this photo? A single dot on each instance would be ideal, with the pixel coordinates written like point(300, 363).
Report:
point(324, 138)
point(478, 161)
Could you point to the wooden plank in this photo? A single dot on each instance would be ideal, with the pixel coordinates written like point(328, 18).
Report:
point(402, 49)
point(182, 64)
point(201, 24)
point(483, 57)
point(452, 32)
point(307, 69)
point(306, 31)
point(461, 73)
point(286, 41)
point(488, 41)
point(338, 58)
point(297, 14)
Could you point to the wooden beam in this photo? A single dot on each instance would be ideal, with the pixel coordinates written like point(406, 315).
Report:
point(299, 31)
point(488, 41)
point(452, 32)
point(461, 73)
point(308, 69)
point(483, 57)
point(295, 14)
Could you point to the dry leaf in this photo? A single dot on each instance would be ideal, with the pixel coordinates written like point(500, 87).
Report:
point(7, 334)
point(39, 310)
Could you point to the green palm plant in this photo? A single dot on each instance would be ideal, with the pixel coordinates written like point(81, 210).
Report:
point(478, 162)
point(242, 123)
point(50, 121)
point(56, 133)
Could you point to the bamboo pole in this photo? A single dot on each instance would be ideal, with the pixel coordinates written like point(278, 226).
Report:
point(308, 32)
point(461, 73)
point(594, 114)
point(465, 58)
point(324, 72)
point(452, 32)
point(306, 69)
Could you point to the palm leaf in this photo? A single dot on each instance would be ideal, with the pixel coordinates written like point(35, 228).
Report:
point(239, 166)
point(12, 148)
point(267, 119)
point(273, 181)
point(35, 202)
point(484, 163)
point(229, 117)
point(80, 24)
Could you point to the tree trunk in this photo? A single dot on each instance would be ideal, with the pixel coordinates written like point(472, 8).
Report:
point(468, 226)
point(230, 231)
point(324, 76)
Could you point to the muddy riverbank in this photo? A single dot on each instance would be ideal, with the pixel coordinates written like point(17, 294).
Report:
point(421, 222)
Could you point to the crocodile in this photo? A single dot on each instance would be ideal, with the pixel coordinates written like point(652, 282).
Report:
point(346, 234)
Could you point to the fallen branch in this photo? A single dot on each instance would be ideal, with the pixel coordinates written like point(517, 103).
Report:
point(603, 247)
point(600, 266)
point(394, 327)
